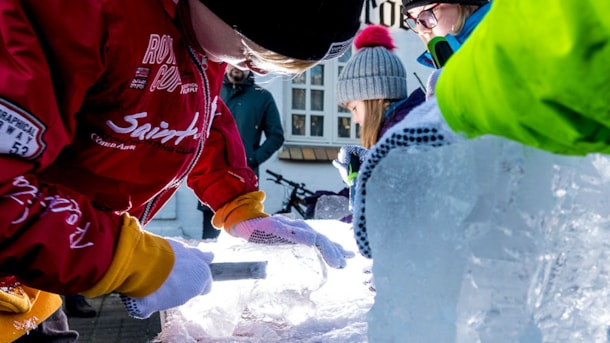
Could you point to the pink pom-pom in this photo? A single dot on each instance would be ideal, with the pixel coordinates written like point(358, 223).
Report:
point(374, 35)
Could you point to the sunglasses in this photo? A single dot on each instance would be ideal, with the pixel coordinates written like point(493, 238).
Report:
point(425, 18)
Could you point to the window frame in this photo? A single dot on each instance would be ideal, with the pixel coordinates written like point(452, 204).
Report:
point(331, 111)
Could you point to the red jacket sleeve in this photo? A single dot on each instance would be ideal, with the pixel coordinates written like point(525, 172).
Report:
point(221, 173)
point(51, 237)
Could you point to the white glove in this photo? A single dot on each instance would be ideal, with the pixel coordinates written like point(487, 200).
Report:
point(348, 162)
point(190, 277)
point(282, 230)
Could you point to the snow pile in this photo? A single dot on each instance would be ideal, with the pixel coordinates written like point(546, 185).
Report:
point(490, 241)
point(300, 300)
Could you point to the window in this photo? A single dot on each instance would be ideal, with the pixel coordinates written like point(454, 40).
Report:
point(313, 116)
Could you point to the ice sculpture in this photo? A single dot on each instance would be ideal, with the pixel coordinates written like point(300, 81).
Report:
point(489, 241)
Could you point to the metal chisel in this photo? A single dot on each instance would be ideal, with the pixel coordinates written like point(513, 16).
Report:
point(224, 271)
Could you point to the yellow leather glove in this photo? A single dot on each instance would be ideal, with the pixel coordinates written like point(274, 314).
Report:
point(246, 206)
point(141, 263)
point(153, 273)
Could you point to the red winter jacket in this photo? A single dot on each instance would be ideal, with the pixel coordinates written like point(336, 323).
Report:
point(105, 108)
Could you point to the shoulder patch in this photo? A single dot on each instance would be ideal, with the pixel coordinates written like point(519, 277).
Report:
point(20, 132)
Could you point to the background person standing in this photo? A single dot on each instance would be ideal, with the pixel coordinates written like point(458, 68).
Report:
point(255, 112)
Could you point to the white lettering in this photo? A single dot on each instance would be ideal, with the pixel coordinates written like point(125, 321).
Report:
point(77, 237)
point(160, 50)
point(168, 77)
point(100, 141)
point(146, 131)
point(153, 45)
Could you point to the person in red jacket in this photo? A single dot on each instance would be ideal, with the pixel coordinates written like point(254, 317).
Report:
point(106, 107)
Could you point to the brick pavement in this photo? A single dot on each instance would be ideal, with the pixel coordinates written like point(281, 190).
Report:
point(113, 325)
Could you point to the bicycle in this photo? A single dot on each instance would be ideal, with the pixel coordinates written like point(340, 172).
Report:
point(294, 195)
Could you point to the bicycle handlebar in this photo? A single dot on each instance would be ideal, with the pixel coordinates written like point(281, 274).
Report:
point(279, 179)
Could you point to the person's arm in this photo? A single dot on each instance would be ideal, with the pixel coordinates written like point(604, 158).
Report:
point(271, 125)
point(51, 237)
point(222, 179)
point(535, 72)
point(221, 173)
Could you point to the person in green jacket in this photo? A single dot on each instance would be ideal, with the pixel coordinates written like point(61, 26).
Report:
point(255, 113)
point(544, 82)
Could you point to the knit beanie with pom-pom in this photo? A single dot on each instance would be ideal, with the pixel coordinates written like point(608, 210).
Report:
point(374, 71)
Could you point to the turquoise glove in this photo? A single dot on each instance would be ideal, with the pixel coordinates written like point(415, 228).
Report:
point(348, 162)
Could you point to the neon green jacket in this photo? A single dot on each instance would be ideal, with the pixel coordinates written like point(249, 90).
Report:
point(537, 72)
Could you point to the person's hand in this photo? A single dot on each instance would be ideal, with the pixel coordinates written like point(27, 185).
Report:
point(281, 230)
point(348, 162)
point(189, 277)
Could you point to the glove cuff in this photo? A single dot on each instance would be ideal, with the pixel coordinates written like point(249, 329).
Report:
point(141, 263)
point(191, 276)
point(244, 207)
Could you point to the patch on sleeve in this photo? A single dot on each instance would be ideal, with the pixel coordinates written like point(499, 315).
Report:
point(20, 132)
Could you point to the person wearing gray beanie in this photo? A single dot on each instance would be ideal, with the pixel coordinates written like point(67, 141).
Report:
point(373, 87)
point(373, 84)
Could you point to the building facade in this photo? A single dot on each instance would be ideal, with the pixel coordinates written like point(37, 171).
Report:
point(315, 126)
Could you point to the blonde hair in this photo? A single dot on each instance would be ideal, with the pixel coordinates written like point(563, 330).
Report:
point(274, 62)
point(373, 120)
point(465, 12)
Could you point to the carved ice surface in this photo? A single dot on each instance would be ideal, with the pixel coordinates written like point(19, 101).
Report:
point(489, 241)
point(332, 207)
point(300, 300)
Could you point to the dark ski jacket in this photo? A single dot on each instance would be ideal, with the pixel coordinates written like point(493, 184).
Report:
point(255, 113)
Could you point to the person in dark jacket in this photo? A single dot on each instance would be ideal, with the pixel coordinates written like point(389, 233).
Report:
point(255, 112)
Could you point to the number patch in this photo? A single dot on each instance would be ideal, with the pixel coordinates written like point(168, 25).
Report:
point(20, 132)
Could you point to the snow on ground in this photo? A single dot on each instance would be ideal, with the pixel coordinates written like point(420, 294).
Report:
point(300, 300)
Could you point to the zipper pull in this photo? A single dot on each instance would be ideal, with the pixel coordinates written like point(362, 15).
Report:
point(204, 62)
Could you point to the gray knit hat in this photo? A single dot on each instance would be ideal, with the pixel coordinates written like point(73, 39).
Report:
point(374, 71)
point(409, 4)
